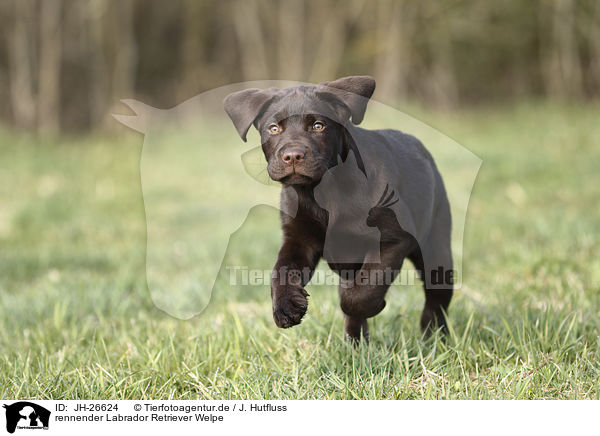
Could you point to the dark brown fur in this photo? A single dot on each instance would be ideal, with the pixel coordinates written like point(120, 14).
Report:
point(312, 152)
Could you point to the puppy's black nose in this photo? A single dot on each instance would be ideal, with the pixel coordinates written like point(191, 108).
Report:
point(293, 156)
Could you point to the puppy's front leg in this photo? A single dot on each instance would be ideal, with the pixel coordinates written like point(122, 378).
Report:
point(295, 265)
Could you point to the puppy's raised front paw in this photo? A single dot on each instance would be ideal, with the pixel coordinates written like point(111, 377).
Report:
point(289, 305)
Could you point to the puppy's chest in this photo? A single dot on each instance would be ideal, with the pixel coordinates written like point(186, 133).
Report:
point(337, 224)
point(311, 209)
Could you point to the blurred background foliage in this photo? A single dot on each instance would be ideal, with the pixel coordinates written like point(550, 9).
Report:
point(64, 64)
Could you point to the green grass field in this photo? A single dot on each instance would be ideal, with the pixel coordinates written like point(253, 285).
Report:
point(77, 321)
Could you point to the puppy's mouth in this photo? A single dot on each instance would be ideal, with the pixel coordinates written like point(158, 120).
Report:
point(295, 179)
point(296, 174)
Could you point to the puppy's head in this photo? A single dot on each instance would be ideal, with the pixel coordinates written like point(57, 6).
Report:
point(302, 128)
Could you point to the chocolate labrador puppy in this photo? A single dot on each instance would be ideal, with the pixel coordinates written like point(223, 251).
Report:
point(364, 200)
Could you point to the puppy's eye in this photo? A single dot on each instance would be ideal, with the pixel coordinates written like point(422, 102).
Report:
point(318, 126)
point(274, 129)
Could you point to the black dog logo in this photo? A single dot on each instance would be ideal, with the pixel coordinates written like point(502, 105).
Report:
point(26, 415)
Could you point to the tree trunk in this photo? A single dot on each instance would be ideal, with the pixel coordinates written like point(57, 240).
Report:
point(394, 31)
point(20, 52)
point(332, 34)
point(192, 48)
point(125, 54)
point(251, 42)
point(99, 81)
point(441, 84)
point(593, 32)
point(50, 61)
point(290, 40)
point(562, 72)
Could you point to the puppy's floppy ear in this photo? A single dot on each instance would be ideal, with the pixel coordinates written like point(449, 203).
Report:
point(244, 106)
point(354, 92)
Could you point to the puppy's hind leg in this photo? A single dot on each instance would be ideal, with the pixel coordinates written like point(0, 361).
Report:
point(434, 312)
point(437, 298)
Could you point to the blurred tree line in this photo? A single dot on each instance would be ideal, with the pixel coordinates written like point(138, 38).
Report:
point(64, 64)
